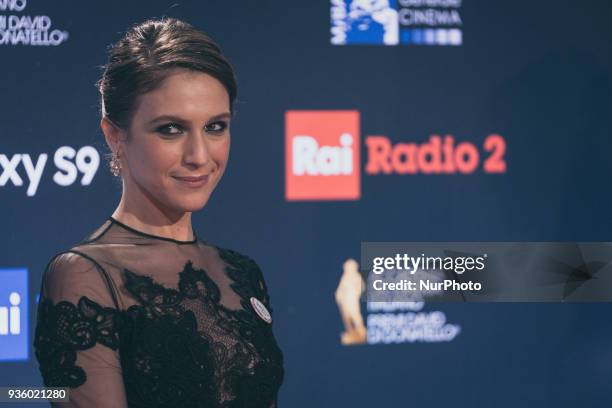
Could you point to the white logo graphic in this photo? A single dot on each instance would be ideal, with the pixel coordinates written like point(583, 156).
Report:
point(381, 13)
point(393, 22)
point(312, 159)
point(409, 326)
point(86, 161)
point(27, 30)
point(12, 5)
point(10, 316)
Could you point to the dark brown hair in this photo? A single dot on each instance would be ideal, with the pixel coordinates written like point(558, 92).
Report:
point(143, 58)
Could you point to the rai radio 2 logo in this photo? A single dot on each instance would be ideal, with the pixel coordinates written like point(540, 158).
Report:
point(322, 155)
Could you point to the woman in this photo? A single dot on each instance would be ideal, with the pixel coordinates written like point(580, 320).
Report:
point(142, 313)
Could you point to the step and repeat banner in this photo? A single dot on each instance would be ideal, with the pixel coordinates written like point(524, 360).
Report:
point(363, 121)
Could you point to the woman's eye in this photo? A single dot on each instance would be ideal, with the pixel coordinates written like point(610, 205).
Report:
point(170, 129)
point(217, 127)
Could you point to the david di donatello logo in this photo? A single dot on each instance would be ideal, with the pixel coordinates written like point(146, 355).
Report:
point(322, 155)
point(393, 22)
point(20, 28)
point(386, 322)
point(13, 314)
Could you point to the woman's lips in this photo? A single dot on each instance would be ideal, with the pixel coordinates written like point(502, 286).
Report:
point(193, 181)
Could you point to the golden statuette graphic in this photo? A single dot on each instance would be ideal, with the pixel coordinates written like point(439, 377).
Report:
point(348, 295)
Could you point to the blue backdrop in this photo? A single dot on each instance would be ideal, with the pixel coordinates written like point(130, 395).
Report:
point(536, 73)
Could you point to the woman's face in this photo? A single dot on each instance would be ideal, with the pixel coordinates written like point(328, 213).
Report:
point(179, 130)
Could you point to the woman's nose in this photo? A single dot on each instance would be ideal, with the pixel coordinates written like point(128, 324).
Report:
point(196, 150)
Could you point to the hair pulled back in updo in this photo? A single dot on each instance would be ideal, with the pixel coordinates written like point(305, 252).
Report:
point(143, 58)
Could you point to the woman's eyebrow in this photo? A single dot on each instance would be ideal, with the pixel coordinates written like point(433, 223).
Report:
point(224, 115)
point(172, 118)
point(169, 118)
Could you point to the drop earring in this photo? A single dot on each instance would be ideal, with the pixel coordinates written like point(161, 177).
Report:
point(115, 165)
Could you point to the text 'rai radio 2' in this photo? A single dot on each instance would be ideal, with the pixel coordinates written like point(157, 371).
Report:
point(322, 155)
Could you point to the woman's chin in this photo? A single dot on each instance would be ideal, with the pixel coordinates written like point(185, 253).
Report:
point(191, 204)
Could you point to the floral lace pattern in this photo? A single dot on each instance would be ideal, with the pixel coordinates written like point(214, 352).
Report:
point(178, 347)
point(65, 328)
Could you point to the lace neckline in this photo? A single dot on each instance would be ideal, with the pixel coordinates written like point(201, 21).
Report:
point(146, 234)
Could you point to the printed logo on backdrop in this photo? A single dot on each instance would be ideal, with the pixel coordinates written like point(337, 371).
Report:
point(386, 322)
point(25, 171)
point(19, 28)
point(322, 155)
point(13, 314)
point(393, 22)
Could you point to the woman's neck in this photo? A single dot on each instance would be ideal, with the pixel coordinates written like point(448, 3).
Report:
point(153, 220)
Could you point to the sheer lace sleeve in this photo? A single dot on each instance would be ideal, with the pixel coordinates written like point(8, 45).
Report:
point(76, 339)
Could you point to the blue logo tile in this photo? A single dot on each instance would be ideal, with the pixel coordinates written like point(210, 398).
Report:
point(14, 314)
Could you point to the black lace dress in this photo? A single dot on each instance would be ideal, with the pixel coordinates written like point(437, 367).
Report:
point(129, 319)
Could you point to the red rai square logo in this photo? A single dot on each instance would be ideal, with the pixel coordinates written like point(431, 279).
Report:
point(322, 155)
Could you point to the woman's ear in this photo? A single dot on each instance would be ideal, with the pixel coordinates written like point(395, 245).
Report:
point(113, 134)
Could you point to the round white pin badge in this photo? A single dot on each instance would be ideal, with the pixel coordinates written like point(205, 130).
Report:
point(261, 310)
